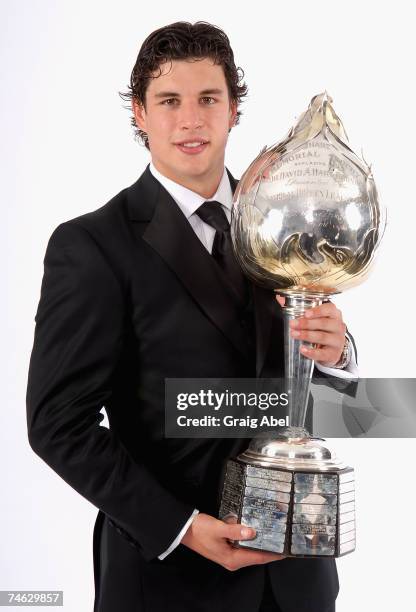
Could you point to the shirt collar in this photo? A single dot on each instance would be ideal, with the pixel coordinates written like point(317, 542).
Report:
point(189, 201)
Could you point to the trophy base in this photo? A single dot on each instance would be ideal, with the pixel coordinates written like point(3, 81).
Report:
point(298, 512)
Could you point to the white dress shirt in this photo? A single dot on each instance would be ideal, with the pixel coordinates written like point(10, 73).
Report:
point(189, 202)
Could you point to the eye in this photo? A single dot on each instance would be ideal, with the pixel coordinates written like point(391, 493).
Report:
point(169, 101)
point(208, 99)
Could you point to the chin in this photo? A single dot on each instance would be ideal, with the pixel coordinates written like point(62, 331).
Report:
point(196, 169)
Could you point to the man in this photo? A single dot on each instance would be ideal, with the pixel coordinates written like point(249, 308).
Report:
point(131, 295)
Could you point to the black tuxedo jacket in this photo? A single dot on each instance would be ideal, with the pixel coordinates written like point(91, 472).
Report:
point(130, 297)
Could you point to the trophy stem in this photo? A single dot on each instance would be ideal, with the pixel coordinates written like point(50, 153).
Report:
point(298, 368)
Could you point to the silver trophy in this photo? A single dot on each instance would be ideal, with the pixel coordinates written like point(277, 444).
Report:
point(306, 222)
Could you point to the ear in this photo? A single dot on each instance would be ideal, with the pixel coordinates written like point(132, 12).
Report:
point(232, 114)
point(139, 114)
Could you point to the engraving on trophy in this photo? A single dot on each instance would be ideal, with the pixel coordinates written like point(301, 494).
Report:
point(315, 519)
point(314, 544)
point(314, 498)
point(315, 483)
point(313, 529)
point(232, 491)
point(314, 509)
point(267, 473)
point(265, 483)
point(269, 540)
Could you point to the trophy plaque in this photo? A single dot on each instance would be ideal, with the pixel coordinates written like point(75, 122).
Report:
point(306, 222)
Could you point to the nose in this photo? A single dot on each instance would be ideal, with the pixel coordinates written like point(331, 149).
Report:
point(190, 116)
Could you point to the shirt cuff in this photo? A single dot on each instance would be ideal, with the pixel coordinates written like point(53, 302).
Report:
point(179, 537)
point(351, 369)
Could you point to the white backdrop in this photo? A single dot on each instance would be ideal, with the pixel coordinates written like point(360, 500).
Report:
point(67, 147)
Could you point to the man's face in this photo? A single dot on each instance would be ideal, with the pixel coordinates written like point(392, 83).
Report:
point(188, 104)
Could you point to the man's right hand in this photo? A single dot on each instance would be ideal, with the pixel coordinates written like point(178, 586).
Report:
point(210, 538)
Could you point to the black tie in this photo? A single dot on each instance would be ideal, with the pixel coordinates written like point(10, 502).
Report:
point(222, 250)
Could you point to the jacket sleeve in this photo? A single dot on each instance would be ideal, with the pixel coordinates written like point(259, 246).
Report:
point(77, 343)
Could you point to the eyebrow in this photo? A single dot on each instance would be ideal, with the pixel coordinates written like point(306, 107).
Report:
point(172, 94)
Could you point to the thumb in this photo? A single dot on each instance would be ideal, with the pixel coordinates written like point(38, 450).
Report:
point(238, 532)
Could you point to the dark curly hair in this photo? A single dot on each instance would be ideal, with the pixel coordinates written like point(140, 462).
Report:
point(182, 40)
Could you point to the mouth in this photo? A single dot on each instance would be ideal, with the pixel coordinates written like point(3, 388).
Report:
point(192, 147)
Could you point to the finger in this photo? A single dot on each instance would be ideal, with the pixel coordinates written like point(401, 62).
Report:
point(322, 355)
point(323, 324)
point(328, 309)
point(326, 339)
point(237, 532)
point(243, 558)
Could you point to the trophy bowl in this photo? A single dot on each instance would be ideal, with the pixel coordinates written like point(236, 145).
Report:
point(306, 217)
point(306, 222)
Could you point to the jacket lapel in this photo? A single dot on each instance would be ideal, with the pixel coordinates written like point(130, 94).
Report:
point(170, 234)
point(264, 309)
point(167, 231)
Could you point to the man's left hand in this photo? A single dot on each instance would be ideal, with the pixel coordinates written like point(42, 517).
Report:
point(322, 325)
